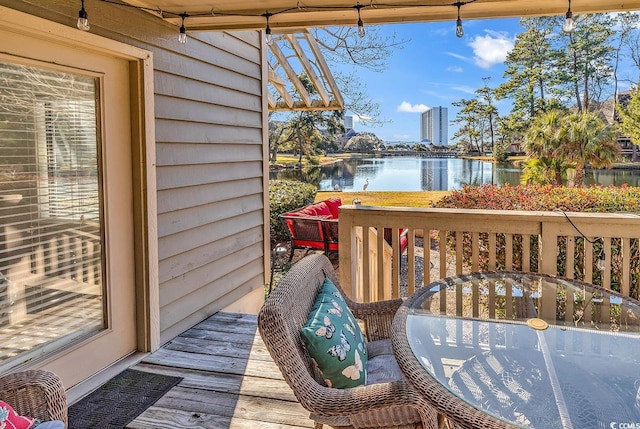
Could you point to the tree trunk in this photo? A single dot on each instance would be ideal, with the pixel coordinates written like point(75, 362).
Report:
point(493, 143)
point(576, 87)
point(558, 177)
point(578, 178)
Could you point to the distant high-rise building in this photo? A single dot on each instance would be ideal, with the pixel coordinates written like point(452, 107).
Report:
point(348, 122)
point(434, 126)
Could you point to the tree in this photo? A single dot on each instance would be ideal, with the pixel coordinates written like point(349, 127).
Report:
point(473, 123)
point(488, 109)
point(587, 140)
point(309, 129)
point(557, 140)
point(343, 45)
point(542, 141)
point(629, 116)
point(510, 130)
point(305, 131)
point(276, 138)
point(363, 142)
point(588, 57)
point(539, 171)
point(530, 73)
point(628, 23)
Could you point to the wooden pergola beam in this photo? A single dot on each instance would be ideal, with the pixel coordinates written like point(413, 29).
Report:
point(308, 68)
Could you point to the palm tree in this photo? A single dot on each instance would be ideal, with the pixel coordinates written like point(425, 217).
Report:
point(543, 140)
point(587, 140)
point(542, 171)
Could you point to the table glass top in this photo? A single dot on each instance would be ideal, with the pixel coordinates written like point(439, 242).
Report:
point(532, 350)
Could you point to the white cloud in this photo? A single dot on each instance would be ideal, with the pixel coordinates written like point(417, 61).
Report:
point(455, 69)
point(464, 88)
point(491, 48)
point(458, 56)
point(407, 107)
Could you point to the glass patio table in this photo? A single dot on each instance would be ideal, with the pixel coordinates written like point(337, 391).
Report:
point(522, 350)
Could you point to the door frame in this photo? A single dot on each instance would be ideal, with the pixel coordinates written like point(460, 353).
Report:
point(143, 156)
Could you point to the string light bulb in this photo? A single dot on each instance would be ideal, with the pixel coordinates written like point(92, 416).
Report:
point(83, 18)
point(361, 31)
point(268, 38)
point(569, 23)
point(459, 29)
point(182, 36)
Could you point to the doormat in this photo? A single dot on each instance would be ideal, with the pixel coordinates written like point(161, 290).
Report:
point(120, 400)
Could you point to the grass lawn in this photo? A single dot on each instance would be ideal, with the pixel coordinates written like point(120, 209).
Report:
point(284, 159)
point(398, 199)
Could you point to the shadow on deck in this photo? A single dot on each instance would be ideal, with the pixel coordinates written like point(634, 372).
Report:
point(230, 380)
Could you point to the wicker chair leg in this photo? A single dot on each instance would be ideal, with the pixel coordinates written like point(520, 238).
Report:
point(318, 425)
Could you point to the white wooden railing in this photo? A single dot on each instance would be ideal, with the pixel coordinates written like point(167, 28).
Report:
point(598, 248)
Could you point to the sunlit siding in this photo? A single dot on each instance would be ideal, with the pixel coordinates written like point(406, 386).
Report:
point(210, 175)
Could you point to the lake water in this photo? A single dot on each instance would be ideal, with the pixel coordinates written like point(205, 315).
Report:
point(428, 174)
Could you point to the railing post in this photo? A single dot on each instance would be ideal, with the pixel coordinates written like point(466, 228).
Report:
point(346, 244)
point(548, 264)
point(367, 274)
point(548, 255)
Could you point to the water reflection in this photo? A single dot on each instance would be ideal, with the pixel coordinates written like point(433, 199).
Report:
point(612, 177)
point(427, 174)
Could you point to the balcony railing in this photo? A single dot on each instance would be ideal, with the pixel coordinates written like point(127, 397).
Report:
point(597, 248)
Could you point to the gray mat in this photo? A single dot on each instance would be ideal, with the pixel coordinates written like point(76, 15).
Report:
point(120, 400)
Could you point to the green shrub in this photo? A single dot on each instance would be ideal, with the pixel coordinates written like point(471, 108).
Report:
point(313, 160)
point(599, 199)
point(548, 198)
point(284, 196)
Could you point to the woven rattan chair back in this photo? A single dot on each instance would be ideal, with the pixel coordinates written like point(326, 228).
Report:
point(35, 393)
point(284, 313)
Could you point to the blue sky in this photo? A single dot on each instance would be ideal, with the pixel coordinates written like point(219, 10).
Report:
point(436, 68)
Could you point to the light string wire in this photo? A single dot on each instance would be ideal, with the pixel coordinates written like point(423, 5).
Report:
point(299, 6)
point(601, 254)
point(577, 229)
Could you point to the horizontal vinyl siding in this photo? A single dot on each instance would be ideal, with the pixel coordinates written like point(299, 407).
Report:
point(220, 244)
point(209, 178)
point(177, 199)
point(208, 109)
point(172, 224)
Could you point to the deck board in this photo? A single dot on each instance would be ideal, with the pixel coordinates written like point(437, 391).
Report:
point(229, 380)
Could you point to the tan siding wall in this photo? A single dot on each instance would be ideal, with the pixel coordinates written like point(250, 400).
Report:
point(209, 131)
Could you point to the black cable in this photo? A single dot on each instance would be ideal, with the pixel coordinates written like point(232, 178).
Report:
point(162, 12)
point(576, 228)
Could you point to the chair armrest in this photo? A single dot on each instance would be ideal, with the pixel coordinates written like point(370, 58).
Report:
point(331, 229)
point(35, 393)
point(377, 317)
point(304, 227)
point(329, 401)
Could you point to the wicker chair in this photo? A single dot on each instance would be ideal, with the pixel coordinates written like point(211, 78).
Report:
point(35, 393)
point(391, 403)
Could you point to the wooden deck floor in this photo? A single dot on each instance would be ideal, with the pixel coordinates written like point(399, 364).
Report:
point(230, 381)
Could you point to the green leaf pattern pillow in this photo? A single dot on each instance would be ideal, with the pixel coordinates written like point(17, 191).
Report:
point(334, 340)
